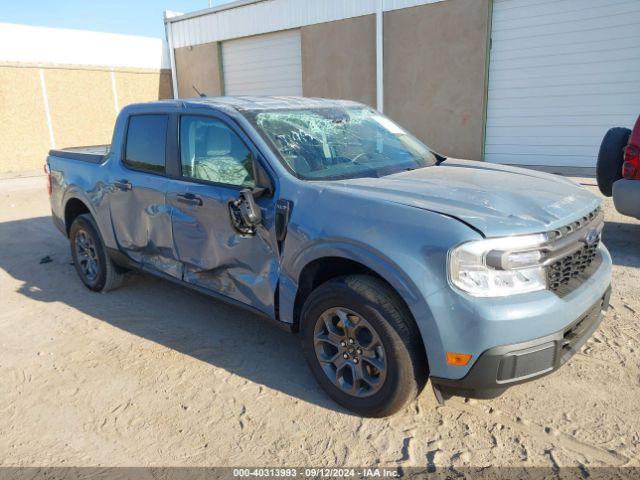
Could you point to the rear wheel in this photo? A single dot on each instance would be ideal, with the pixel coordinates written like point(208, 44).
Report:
point(362, 345)
point(611, 158)
point(96, 270)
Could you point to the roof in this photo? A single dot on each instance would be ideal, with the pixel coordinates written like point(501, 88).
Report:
point(176, 16)
point(270, 102)
point(252, 103)
point(243, 18)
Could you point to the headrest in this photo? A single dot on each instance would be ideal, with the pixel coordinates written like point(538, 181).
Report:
point(218, 140)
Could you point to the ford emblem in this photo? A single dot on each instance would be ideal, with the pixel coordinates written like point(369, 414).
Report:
point(592, 237)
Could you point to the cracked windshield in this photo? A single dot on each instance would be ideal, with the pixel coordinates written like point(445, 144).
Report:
point(339, 143)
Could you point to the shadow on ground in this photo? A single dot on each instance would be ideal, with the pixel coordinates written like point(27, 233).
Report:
point(176, 317)
point(623, 241)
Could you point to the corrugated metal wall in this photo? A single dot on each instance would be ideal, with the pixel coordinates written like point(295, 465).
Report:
point(271, 16)
point(269, 64)
point(561, 74)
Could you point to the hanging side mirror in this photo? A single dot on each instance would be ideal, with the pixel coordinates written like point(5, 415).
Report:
point(251, 213)
point(245, 213)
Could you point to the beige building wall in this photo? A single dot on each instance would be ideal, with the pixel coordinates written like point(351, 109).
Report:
point(339, 59)
point(23, 125)
point(140, 86)
point(81, 102)
point(199, 66)
point(82, 107)
point(435, 73)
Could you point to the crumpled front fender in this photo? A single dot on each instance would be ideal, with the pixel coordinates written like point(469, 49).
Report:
point(373, 260)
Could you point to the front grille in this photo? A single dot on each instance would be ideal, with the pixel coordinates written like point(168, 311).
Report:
point(578, 224)
point(568, 272)
point(563, 271)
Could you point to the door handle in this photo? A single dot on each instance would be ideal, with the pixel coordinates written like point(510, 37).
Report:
point(189, 199)
point(123, 184)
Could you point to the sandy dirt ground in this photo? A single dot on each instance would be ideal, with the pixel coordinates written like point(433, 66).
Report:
point(153, 374)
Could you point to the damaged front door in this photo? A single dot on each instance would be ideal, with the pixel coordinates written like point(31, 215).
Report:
point(217, 166)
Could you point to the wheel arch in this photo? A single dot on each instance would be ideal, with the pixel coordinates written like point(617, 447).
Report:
point(320, 263)
point(323, 269)
point(74, 207)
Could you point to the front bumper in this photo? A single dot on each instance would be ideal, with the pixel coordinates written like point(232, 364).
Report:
point(501, 367)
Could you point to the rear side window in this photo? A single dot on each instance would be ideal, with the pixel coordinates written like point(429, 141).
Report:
point(146, 142)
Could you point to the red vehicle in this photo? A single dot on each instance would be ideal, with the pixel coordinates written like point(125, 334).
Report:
point(618, 169)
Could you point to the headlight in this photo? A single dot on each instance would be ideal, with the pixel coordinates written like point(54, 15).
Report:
point(499, 266)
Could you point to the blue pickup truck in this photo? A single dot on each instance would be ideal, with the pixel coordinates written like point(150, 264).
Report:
point(394, 263)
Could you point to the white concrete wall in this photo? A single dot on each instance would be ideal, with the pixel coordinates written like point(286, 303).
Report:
point(27, 44)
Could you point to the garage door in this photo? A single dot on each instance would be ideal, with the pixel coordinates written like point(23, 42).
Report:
point(561, 74)
point(263, 65)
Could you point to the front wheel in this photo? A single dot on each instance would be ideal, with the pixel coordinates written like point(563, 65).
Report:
point(363, 346)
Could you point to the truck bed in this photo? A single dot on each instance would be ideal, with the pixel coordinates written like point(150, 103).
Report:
point(90, 154)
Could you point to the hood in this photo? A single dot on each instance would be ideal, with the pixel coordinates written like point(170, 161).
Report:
point(496, 200)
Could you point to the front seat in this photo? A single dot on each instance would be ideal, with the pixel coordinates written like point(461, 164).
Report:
point(218, 163)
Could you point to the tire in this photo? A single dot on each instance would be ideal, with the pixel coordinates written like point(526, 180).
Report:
point(368, 303)
point(87, 247)
point(610, 159)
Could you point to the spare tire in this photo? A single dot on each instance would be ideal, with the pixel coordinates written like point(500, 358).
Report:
point(610, 158)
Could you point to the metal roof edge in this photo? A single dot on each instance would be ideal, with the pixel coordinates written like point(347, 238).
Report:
point(207, 11)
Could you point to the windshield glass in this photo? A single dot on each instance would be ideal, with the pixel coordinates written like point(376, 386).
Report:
point(338, 143)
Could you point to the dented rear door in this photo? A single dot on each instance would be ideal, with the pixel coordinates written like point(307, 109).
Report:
point(140, 217)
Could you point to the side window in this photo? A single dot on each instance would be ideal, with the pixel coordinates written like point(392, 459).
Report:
point(210, 150)
point(146, 142)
